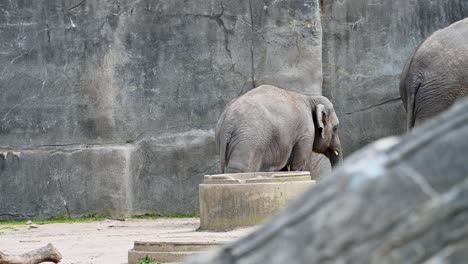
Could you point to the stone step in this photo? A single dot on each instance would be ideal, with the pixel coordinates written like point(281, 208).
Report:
point(167, 252)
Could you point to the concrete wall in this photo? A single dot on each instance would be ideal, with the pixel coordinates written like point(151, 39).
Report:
point(365, 45)
point(111, 104)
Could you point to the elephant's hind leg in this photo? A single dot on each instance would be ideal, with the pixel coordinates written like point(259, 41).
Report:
point(233, 170)
point(300, 155)
point(244, 160)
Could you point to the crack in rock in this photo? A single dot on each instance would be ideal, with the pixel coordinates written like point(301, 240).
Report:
point(252, 44)
point(60, 188)
point(16, 215)
point(207, 169)
point(18, 104)
point(215, 17)
point(372, 106)
point(77, 5)
point(220, 22)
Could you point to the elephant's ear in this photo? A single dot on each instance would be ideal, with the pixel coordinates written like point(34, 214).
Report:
point(320, 115)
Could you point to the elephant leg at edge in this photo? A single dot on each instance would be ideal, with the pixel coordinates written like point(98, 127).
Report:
point(240, 162)
point(300, 155)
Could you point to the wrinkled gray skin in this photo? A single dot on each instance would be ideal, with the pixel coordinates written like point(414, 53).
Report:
point(436, 74)
point(269, 129)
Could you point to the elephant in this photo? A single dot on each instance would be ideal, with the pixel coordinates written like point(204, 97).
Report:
point(271, 129)
point(436, 74)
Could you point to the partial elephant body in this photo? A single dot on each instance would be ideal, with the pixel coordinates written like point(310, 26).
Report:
point(436, 74)
point(269, 128)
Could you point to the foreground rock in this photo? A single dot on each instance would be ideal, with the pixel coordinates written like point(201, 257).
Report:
point(396, 201)
point(45, 254)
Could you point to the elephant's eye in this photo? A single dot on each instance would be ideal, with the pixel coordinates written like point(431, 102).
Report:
point(335, 128)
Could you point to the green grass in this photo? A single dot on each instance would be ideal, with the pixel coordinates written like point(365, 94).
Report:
point(146, 260)
point(93, 218)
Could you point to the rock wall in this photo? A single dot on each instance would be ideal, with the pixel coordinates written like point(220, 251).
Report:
point(365, 46)
point(111, 104)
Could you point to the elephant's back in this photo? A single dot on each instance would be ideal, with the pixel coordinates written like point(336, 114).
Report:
point(442, 60)
point(438, 71)
point(269, 113)
point(445, 46)
point(264, 125)
point(453, 36)
point(266, 104)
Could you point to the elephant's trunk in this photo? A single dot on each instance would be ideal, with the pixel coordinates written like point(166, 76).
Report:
point(335, 156)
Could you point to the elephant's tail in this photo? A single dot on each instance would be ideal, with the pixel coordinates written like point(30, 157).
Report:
point(411, 105)
point(223, 136)
point(407, 93)
point(221, 142)
point(410, 82)
point(222, 154)
point(410, 111)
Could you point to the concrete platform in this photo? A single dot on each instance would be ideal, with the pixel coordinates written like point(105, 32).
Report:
point(173, 246)
point(229, 201)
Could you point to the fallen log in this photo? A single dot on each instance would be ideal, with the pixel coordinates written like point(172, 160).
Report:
point(43, 254)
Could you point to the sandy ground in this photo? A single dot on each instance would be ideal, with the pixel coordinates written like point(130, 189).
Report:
point(106, 241)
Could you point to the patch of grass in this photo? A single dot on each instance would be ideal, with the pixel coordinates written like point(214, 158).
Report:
point(94, 217)
point(66, 219)
point(9, 222)
point(147, 260)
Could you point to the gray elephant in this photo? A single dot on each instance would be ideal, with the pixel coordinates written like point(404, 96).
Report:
point(269, 129)
point(436, 74)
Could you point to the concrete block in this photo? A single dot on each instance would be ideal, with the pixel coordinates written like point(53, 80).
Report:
point(171, 168)
point(229, 201)
point(73, 180)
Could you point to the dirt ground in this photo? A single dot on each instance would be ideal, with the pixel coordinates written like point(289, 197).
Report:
point(106, 241)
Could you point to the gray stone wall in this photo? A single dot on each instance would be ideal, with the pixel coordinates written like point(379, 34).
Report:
point(111, 104)
point(365, 46)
